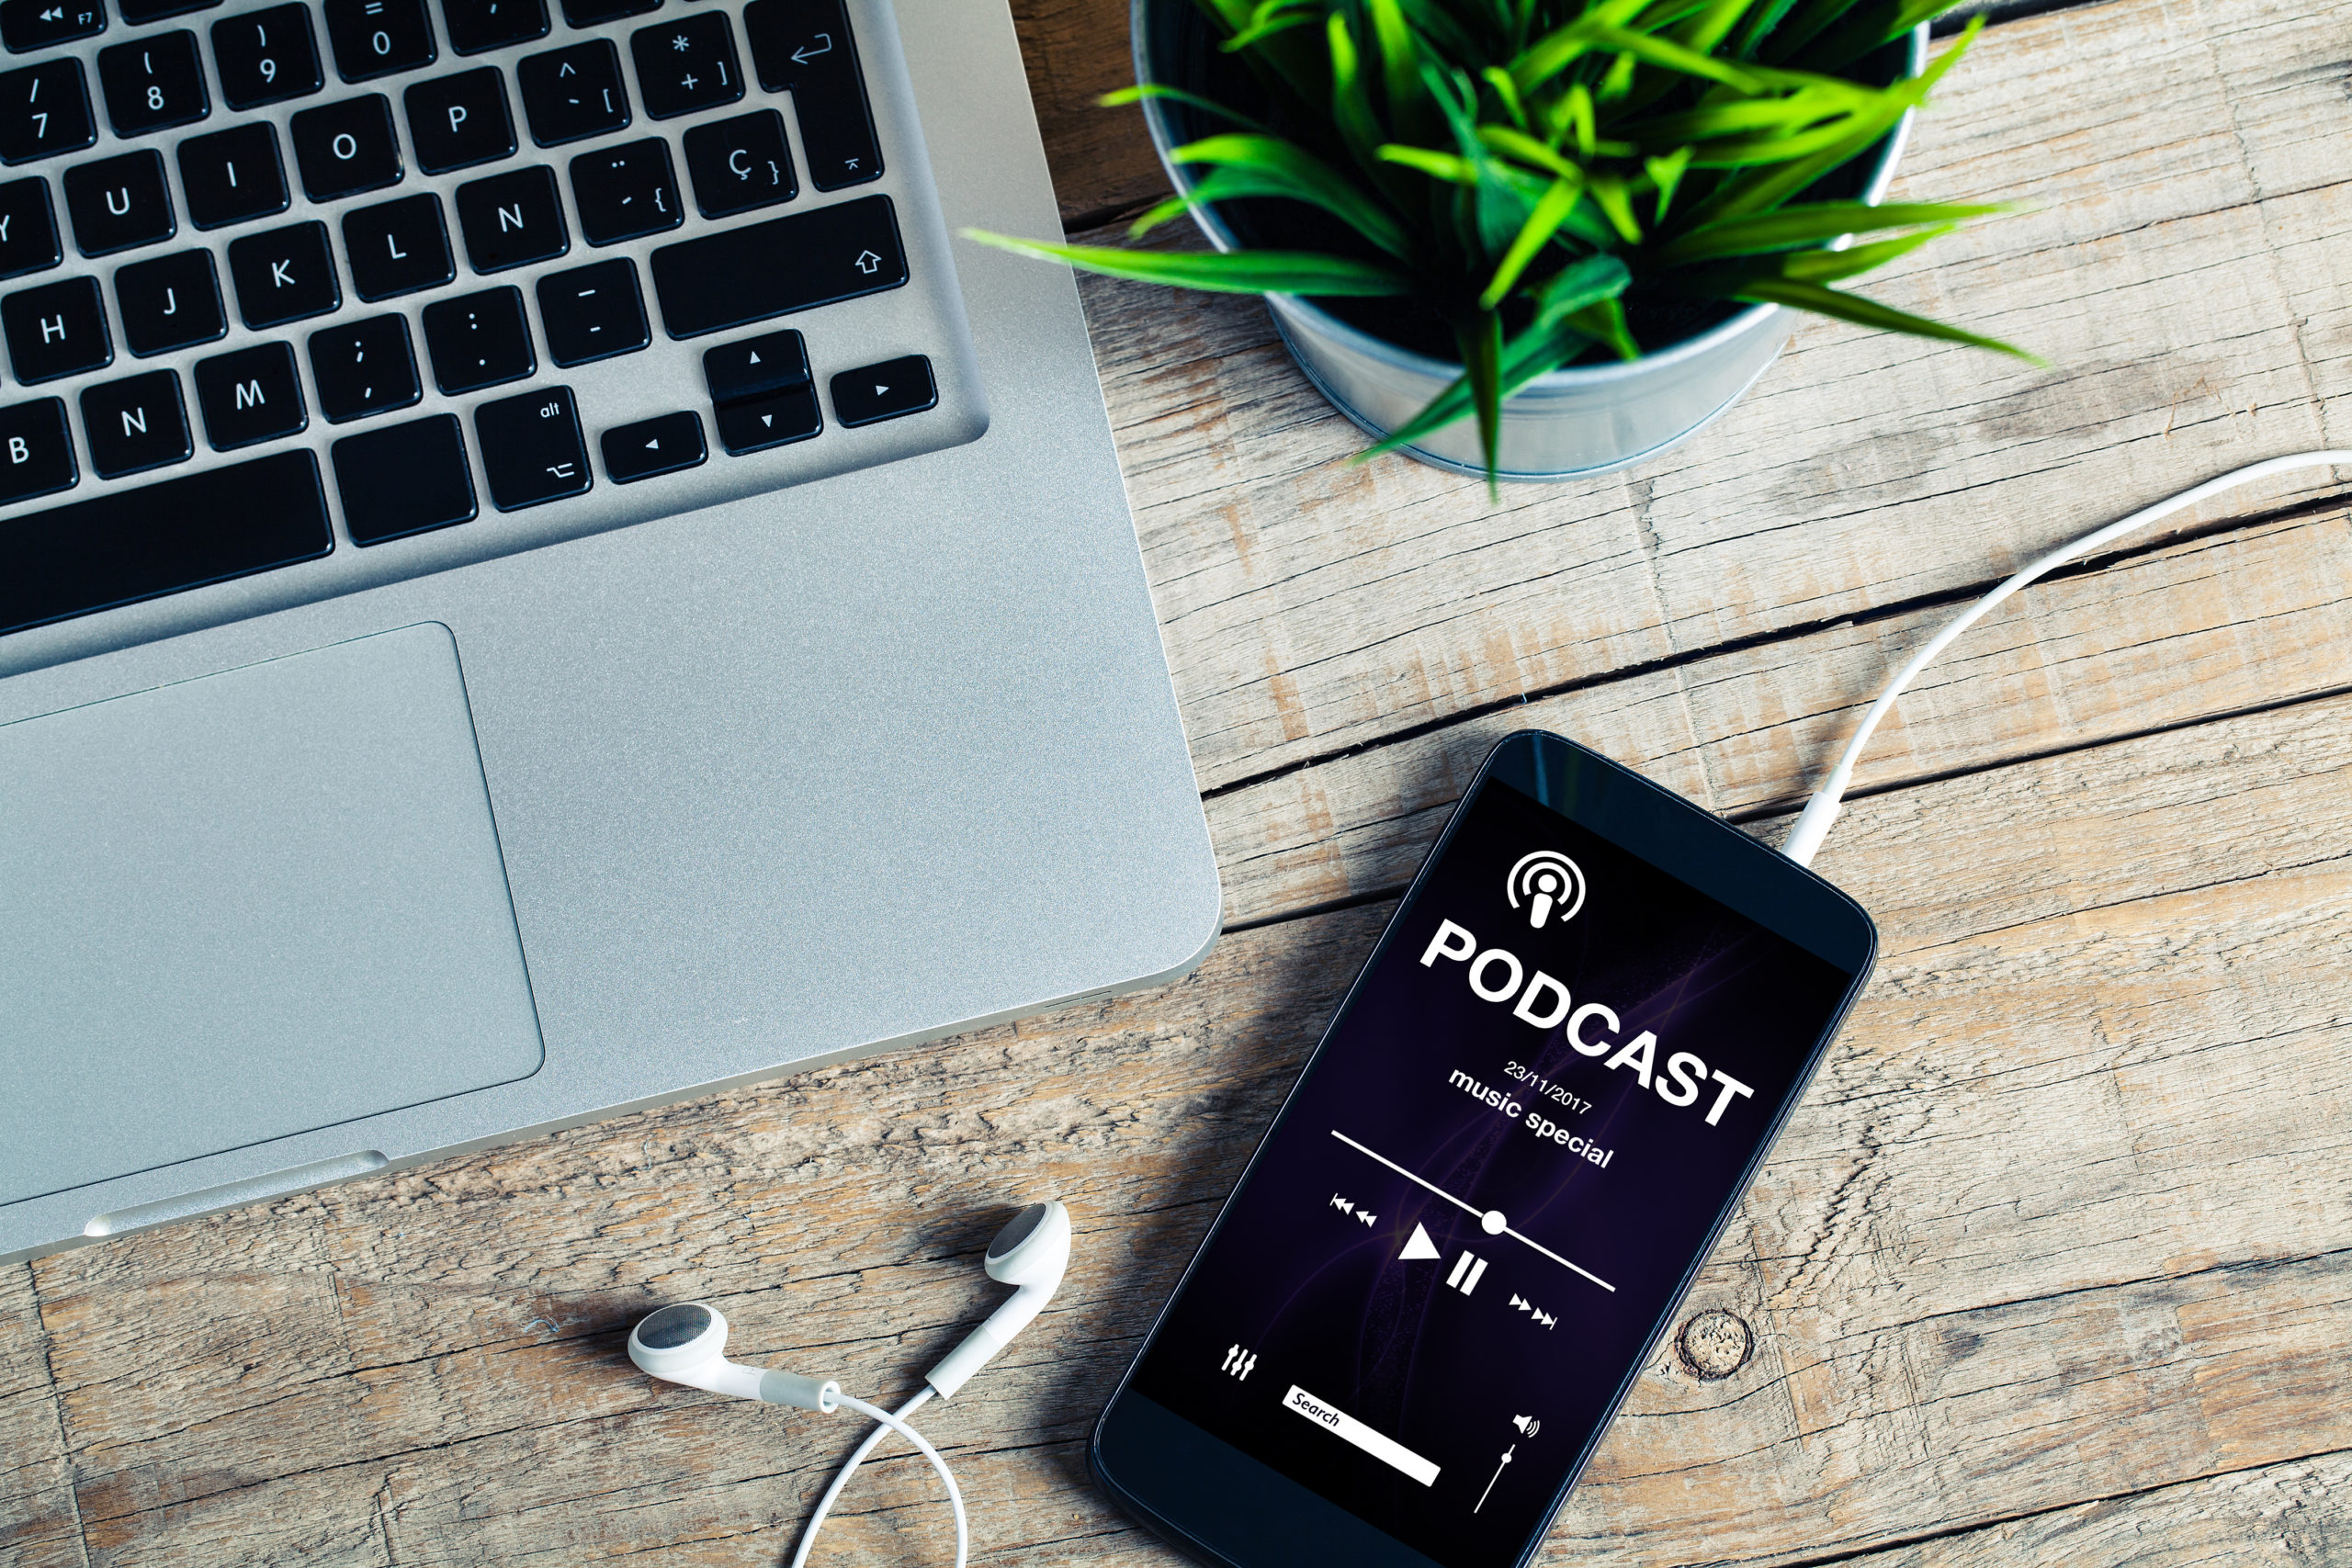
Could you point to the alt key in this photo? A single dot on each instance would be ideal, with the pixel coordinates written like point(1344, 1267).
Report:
point(531, 449)
point(876, 392)
point(651, 447)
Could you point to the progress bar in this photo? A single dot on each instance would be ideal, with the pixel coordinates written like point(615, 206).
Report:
point(1488, 1218)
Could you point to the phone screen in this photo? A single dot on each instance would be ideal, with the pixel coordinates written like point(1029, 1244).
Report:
point(1491, 1182)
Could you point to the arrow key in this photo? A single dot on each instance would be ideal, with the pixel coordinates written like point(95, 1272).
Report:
point(754, 424)
point(888, 390)
point(663, 444)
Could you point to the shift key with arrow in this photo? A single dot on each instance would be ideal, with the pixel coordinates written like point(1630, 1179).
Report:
point(760, 270)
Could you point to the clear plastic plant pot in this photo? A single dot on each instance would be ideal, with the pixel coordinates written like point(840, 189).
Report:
point(1586, 419)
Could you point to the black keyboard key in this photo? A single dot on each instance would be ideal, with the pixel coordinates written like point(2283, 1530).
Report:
point(58, 329)
point(592, 312)
point(37, 24)
point(128, 545)
point(265, 57)
point(170, 302)
point(27, 229)
point(475, 25)
point(745, 275)
point(777, 420)
point(364, 367)
point(591, 12)
point(234, 176)
point(686, 64)
point(573, 92)
point(454, 122)
point(805, 45)
point(761, 392)
point(891, 390)
point(251, 396)
point(283, 275)
point(346, 148)
point(44, 110)
point(478, 340)
point(404, 478)
point(153, 84)
point(531, 448)
point(511, 219)
point(660, 446)
point(378, 38)
point(754, 367)
point(626, 192)
point(35, 451)
point(118, 204)
point(136, 423)
point(739, 164)
point(397, 247)
point(141, 12)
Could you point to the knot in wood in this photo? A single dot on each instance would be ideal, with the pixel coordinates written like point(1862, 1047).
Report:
point(1714, 1344)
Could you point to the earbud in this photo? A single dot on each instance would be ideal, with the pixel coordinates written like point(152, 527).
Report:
point(688, 1344)
point(1029, 1254)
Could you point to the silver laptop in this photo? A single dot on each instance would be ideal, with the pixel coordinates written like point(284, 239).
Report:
point(539, 579)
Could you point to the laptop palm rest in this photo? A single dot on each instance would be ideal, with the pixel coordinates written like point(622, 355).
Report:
point(247, 905)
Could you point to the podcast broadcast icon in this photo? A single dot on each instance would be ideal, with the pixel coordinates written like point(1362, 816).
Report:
point(1551, 885)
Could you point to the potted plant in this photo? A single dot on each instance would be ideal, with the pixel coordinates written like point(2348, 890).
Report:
point(1535, 238)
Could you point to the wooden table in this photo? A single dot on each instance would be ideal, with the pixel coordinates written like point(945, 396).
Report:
point(2055, 1263)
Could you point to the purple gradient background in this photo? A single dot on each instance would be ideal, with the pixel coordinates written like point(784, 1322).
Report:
point(1323, 1301)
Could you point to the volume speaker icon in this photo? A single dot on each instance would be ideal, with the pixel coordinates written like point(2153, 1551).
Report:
point(1527, 1425)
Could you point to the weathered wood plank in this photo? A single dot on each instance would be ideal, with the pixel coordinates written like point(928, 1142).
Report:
point(2185, 266)
point(2296, 1513)
point(1103, 161)
point(2004, 1260)
point(2210, 625)
point(38, 1527)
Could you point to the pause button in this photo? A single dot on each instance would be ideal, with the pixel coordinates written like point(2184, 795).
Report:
point(1466, 1272)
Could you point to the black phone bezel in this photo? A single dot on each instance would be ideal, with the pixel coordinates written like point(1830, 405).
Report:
point(1263, 1517)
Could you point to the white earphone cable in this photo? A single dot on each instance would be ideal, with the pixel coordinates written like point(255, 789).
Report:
point(887, 1422)
point(1820, 811)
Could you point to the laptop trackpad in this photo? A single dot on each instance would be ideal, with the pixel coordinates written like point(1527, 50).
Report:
point(247, 906)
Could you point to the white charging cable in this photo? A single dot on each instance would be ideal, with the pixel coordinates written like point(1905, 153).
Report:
point(888, 1422)
point(1820, 811)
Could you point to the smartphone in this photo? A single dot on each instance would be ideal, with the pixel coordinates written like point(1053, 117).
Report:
point(1481, 1204)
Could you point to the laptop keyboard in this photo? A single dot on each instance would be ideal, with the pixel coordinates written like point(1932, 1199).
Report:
point(347, 291)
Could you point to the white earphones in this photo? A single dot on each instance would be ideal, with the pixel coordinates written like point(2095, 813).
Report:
point(688, 1344)
point(1029, 1253)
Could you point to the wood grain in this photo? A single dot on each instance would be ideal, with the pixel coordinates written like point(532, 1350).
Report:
point(2215, 625)
point(2003, 1262)
point(2182, 262)
point(2293, 1513)
point(1102, 160)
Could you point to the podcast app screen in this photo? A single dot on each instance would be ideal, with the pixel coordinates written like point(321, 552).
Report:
point(1490, 1181)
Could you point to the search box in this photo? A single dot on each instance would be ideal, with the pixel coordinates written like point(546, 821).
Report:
point(1347, 1428)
